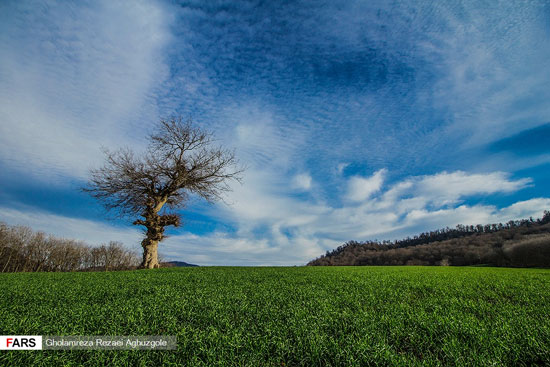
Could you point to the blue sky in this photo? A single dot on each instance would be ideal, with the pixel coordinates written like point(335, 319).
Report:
point(357, 120)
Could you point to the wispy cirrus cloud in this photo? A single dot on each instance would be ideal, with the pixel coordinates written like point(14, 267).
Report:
point(262, 209)
point(89, 231)
point(361, 188)
point(275, 229)
point(356, 119)
point(74, 77)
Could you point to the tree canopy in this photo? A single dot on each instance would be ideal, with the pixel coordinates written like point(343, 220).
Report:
point(181, 159)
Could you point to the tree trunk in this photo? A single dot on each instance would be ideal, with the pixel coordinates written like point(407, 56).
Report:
point(150, 254)
point(8, 261)
point(155, 233)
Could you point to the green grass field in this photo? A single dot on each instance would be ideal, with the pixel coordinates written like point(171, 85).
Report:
point(312, 316)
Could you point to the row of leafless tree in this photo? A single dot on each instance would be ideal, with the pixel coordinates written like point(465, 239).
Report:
point(22, 249)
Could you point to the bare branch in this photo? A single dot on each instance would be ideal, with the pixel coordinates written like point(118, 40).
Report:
point(181, 160)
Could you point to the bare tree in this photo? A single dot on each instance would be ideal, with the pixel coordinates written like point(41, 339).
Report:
point(181, 159)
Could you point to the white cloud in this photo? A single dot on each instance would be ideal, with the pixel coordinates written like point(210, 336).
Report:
point(77, 77)
point(495, 79)
point(482, 70)
point(448, 188)
point(92, 232)
point(260, 136)
point(73, 78)
point(361, 188)
point(341, 167)
point(276, 229)
point(302, 181)
point(408, 207)
point(525, 209)
point(213, 249)
point(225, 249)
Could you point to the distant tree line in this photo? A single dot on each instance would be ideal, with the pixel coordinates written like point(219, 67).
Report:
point(521, 243)
point(25, 250)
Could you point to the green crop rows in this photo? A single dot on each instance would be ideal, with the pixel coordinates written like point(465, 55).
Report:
point(313, 316)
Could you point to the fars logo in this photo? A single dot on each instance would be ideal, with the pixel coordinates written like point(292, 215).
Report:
point(20, 342)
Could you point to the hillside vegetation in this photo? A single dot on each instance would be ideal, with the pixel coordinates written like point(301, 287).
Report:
point(523, 243)
point(302, 316)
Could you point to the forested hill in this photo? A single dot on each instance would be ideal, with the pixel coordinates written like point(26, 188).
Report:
point(522, 243)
